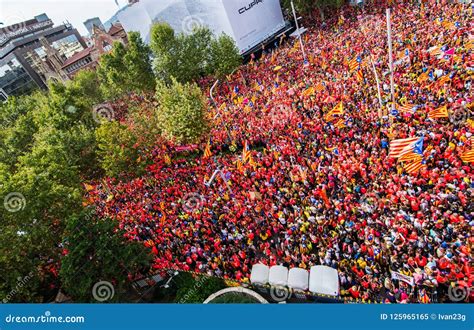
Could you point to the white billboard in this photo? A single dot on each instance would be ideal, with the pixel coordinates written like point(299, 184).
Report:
point(249, 22)
point(253, 21)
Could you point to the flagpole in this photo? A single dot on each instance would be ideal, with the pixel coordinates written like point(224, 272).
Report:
point(378, 86)
point(390, 57)
point(299, 32)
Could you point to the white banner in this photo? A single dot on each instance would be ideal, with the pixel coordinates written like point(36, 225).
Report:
point(253, 21)
point(407, 279)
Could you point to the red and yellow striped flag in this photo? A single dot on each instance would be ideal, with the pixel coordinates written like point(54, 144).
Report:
point(468, 156)
point(207, 150)
point(338, 110)
point(410, 157)
point(414, 167)
point(441, 112)
point(246, 155)
point(340, 124)
point(353, 64)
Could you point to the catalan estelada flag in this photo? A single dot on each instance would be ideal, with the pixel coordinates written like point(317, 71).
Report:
point(207, 150)
point(406, 108)
point(354, 64)
point(338, 110)
point(340, 124)
point(410, 157)
point(246, 155)
point(441, 112)
point(415, 166)
point(468, 156)
point(403, 146)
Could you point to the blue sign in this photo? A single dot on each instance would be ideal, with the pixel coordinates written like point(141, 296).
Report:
point(231, 316)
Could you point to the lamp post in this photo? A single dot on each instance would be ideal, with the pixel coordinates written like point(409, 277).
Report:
point(299, 32)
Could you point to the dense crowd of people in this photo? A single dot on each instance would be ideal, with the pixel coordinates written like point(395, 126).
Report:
point(318, 190)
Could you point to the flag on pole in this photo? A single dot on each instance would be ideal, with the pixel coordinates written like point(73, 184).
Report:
point(338, 110)
point(441, 112)
point(360, 75)
point(207, 150)
point(239, 165)
point(246, 155)
point(406, 108)
point(402, 146)
point(354, 64)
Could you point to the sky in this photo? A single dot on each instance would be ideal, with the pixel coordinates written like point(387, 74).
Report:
point(73, 11)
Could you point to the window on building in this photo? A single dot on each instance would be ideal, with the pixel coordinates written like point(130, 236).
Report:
point(14, 80)
point(67, 46)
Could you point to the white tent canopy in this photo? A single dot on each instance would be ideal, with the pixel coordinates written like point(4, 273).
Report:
point(259, 274)
point(278, 276)
point(324, 280)
point(298, 279)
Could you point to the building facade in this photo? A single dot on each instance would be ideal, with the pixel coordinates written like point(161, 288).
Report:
point(32, 52)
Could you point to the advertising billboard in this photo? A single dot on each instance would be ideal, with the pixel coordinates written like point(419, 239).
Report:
point(248, 22)
point(253, 21)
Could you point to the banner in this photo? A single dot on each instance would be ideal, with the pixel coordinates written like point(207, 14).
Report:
point(407, 279)
point(253, 21)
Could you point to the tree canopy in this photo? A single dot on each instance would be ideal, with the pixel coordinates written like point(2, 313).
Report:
point(187, 57)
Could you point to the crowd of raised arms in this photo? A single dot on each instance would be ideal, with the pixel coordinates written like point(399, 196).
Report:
point(301, 187)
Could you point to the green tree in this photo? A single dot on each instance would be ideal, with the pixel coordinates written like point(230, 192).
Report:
point(126, 68)
point(194, 289)
point(308, 6)
point(187, 57)
point(181, 112)
point(116, 149)
point(225, 56)
point(184, 56)
point(138, 64)
point(50, 145)
point(97, 251)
